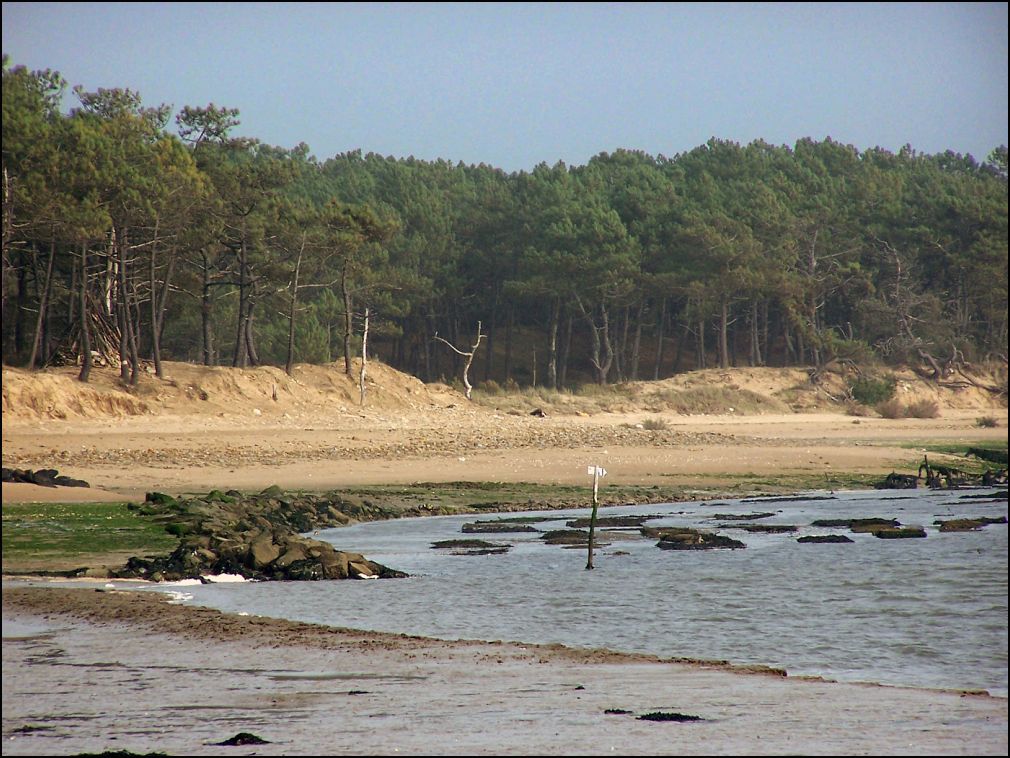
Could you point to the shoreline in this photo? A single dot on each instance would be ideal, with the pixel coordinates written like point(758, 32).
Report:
point(315, 633)
point(360, 692)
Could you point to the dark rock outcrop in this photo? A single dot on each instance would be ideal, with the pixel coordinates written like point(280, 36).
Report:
point(895, 481)
point(674, 538)
point(255, 536)
point(496, 527)
point(909, 532)
point(471, 547)
point(824, 538)
point(968, 524)
point(45, 477)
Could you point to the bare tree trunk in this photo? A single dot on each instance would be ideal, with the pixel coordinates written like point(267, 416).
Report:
point(509, 322)
point(467, 355)
point(205, 310)
point(84, 316)
point(364, 357)
point(43, 305)
point(660, 327)
point(601, 350)
point(159, 302)
point(240, 356)
point(754, 358)
point(636, 347)
point(701, 344)
point(348, 319)
point(291, 311)
point(250, 336)
point(566, 351)
point(552, 345)
point(723, 334)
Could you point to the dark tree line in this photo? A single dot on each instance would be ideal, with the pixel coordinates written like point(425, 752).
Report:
point(125, 240)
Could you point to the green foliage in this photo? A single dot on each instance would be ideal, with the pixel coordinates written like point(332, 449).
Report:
point(870, 390)
point(630, 266)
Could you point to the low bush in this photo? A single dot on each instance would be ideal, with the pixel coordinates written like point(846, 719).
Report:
point(890, 408)
point(872, 391)
point(986, 422)
point(853, 408)
point(922, 409)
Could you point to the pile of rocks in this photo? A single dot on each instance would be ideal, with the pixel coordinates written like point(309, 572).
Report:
point(256, 536)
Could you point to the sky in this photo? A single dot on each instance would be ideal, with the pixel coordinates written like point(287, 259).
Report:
point(513, 85)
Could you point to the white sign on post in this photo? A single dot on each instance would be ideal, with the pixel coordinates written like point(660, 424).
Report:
point(596, 470)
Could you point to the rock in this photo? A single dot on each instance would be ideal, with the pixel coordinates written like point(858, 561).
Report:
point(46, 477)
point(859, 525)
point(899, 534)
point(761, 528)
point(263, 551)
point(816, 538)
point(495, 527)
point(243, 738)
point(898, 482)
point(610, 521)
point(968, 524)
point(565, 537)
point(674, 538)
point(256, 536)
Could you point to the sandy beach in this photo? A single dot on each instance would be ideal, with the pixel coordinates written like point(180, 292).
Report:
point(89, 671)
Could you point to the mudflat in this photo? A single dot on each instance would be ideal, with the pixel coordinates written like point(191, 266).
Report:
point(113, 670)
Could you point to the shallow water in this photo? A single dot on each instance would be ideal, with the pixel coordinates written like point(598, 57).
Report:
point(920, 612)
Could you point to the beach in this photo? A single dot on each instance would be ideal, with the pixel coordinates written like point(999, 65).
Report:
point(131, 671)
point(92, 668)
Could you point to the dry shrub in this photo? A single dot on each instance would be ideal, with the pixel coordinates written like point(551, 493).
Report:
point(655, 425)
point(890, 408)
point(986, 422)
point(853, 408)
point(922, 409)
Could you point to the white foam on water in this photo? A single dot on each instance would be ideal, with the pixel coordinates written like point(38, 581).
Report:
point(222, 578)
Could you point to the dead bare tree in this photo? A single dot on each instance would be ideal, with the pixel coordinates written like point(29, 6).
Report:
point(467, 355)
point(364, 357)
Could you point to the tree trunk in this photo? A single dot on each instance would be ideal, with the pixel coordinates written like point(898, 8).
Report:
point(723, 334)
point(636, 347)
point(552, 344)
point(348, 319)
point(754, 357)
point(364, 357)
point(660, 328)
point(291, 311)
point(566, 351)
point(85, 372)
point(205, 311)
point(43, 305)
point(239, 357)
point(509, 323)
point(701, 344)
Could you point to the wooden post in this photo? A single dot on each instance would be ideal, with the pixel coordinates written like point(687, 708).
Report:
point(596, 470)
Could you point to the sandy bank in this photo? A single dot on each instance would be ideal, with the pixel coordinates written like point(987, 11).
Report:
point(119, 670)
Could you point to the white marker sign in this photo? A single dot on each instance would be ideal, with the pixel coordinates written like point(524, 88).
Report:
point(597, 470)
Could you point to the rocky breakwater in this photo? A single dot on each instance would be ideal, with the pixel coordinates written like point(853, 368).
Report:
point(256, 536)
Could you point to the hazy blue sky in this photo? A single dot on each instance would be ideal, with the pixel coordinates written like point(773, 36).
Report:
point(512, 85)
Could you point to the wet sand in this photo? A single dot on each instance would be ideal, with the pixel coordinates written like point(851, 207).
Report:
point(111, 670)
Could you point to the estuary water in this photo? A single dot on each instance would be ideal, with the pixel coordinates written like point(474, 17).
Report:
point(916, 612)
